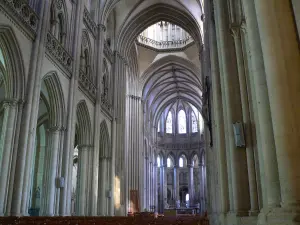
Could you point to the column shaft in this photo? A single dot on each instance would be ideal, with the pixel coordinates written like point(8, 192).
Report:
point(19, 195)
point(82, 181)
point(281, 55)
point(237, 171)
point(66, 192)
point(191, 185)
point(236, 33)
point(6, 147)
point(53, 157)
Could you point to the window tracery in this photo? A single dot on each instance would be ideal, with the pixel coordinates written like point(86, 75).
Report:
point(181, 122)
point(169, 123)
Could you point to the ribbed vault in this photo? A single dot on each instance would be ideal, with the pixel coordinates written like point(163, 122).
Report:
point(168, 81)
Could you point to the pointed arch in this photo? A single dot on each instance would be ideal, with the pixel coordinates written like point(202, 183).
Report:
point(105, 151)
point(56, 100)
point(83, 128)
point(172, 157)
point(14, 75)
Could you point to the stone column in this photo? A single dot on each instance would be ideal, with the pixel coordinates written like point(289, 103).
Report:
point(236, 33)
point(27, 129)
point(161, 189)
point(191, 184)
point(218, 125)
point(155, 202)
point(237, 169)
point(102, 188)
point(82, 179)
point(6, 147)
point(147, 184)
point(150, 194)
point(281, 57)
point(165, 185)
point(53, 150)
point(267, 154)
point(175, 183)
point(97, 111)
point(67, 165)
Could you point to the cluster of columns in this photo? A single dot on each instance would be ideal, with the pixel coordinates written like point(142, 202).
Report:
point(254, 62)
point(134, 159)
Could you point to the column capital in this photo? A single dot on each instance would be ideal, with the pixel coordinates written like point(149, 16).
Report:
point(56, 129)
point(190, 165)
point(11, 102)
point(84, 147)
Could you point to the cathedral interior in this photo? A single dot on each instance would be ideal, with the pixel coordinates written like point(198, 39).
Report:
point(111, 108)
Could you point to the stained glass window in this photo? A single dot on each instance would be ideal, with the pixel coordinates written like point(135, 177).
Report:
point(169, 123)
point(194, 123)
point(181, 122)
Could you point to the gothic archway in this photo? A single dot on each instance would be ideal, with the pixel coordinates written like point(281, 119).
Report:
point(49, 135)
point(105, 202)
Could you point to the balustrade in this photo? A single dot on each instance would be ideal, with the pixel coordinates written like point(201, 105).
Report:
point(164, 44)
point(87, 84)
point(23, 12)
point(58, 53)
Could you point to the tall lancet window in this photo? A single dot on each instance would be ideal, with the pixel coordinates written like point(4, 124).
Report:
point(169, 123)
point(194, 123)
point(181, 122)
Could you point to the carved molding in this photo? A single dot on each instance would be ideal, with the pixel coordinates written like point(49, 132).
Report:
point(185, 146)
point(89, 22)
point(58, 52)
point(23, 14)
point(56, 129)
point(87, 85)
point(105, 104)
point(102, 27)
point(134, 97)
point(164, 46)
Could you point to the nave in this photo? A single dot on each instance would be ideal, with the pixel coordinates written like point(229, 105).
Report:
point(113, 109)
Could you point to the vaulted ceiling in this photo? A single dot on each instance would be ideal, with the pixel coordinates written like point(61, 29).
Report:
point(168, 81)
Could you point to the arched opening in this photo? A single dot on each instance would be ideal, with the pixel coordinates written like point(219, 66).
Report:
point(182, 161)
point(105, 203)
point(47, 148)
point(82, 146)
